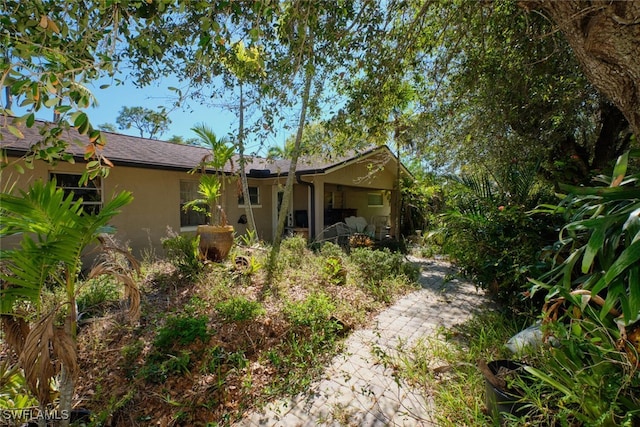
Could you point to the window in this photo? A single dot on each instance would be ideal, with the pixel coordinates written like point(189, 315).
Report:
point(375, 200)
point(90, 193)
point(254, 197)
point(188, 192)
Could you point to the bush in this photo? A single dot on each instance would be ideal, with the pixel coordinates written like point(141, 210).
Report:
point(498, 248)
point(181, 330)
point(330, 249)
point(333, 271)
point(593, 301)
point(183, 253)
point(239, 309)
point(378, 265)
point(95, 294)
point(314, 311)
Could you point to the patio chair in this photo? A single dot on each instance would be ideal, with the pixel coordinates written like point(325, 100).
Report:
point(358, 224)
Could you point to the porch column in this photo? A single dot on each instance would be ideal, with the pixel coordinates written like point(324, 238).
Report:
point(318, 204)
point(394, 214)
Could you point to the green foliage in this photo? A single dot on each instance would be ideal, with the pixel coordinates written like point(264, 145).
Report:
point(220, 361)
point(182, 251)
point(333, 271)
point(130, 354)
point(315, 311)
point(499, 249)
point(330, 249)
point(593, 300)
point(584, 377)
point(599, 247)
point(54, 230)
point(378, 265)
point(489, 234)
point(167, 357)
point(383, 273)
point(181, 330)
point(295, 245)
point(211, 186)
point(310, 342)
point(14, 394)
point(154, 123)
point(239, 309)
point(96, 293)
point(159, 368)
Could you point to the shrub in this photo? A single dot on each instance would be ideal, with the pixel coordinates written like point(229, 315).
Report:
point(378, 265)
point(315, 311)
point(296, 246)
point(593, 301)
point(181, 330)
point(239, 309)
point(498, 248)
point(333, 271)
point(183, 253)
point(95, 294)
point(330, 249)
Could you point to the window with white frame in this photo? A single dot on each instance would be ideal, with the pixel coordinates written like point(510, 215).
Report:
point(254, 197)
point(375, 200)
point(190, 217)
point(90, 193)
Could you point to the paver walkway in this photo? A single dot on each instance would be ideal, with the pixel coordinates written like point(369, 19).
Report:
point(356, 390)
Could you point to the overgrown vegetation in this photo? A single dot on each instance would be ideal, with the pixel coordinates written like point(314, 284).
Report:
point(444, 366)
point(213, 341)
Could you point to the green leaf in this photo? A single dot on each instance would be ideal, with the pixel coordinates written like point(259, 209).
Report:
point(80, 119)
point(607, 193)
point(594, 245)
point(15, 131)
point(628, 258)
point(549, 380)
point(620, 169)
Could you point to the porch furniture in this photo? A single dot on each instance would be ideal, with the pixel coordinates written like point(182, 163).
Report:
point(332, 216)
point(381, 225)
point(358, 224)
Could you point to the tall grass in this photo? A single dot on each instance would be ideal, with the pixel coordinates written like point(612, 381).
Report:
point(445, 366)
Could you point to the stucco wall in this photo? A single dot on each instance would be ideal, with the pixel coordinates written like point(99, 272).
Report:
point(156, 204)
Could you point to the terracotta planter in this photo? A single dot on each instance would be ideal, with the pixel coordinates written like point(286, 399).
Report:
point(215, 241)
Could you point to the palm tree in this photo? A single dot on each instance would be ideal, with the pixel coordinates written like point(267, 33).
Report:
point(55, 230)
point(212, 186)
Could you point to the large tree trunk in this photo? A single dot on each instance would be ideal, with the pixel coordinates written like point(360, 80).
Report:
point(605, 37)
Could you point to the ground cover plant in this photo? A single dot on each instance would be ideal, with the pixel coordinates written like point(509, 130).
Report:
point(213, 343)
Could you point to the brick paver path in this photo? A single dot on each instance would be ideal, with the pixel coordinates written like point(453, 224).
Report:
point(357, 390)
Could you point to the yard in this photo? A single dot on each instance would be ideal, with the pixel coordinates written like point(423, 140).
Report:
point(214, 340)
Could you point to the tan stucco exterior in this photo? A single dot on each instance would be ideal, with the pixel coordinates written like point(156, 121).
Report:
point(156, 205)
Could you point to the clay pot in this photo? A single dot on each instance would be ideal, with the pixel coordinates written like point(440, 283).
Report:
point(215, 241)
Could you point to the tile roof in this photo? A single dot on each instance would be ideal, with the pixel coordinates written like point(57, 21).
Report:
point(126, 150)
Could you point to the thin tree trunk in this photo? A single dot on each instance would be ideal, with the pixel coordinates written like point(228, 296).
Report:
point(67, 380)
point(288, 190)
point(67, 386)
point(251, 223)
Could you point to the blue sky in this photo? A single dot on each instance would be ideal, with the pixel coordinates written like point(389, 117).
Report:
point(221, 120)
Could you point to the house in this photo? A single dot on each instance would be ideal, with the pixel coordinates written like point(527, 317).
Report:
point(157, 173)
